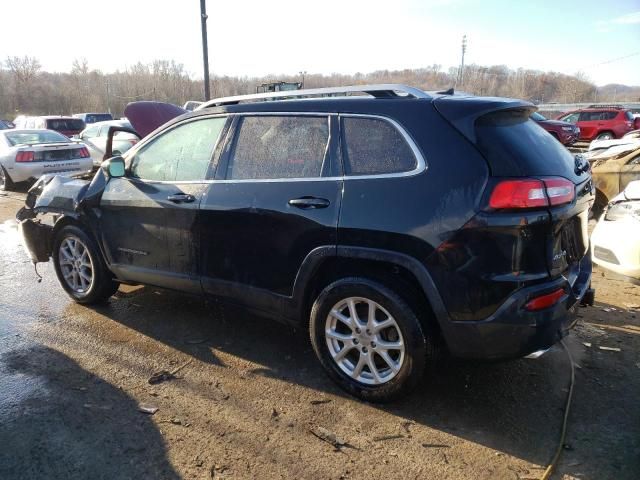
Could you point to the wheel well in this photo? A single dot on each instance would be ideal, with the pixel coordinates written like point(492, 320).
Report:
point(395, 277)
point(555, 135)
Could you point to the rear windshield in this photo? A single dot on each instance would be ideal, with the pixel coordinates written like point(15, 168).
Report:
point(98, 117)
point(65, 124)
point(25, 138)
point(537, 117)
point(516, 146)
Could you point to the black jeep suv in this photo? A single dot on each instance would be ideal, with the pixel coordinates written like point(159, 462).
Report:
point(389, 222)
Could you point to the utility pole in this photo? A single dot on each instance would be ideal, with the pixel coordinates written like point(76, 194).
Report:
point(205, 49)
point(303, 73)
point(108, 98)
point(464, 50)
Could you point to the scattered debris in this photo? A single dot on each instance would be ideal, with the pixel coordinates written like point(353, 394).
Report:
point(587, 344)
point(274, 413)
point(610, 349)
point(147, 409)
point(329, 437)
point(609, 309)
point(435, 445)
point(79, 389)
point(387, 437)
point(165, 375)
point(319, 402)
point(195, 341)
point(98, 407)
point(407, 425)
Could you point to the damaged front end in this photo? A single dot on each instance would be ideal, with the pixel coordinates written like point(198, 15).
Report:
point(49, 200)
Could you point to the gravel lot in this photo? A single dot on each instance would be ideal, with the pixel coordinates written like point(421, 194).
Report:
point(249, 394)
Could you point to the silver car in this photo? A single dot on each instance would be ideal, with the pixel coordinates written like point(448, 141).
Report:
point(95, 137)
point(28, 154)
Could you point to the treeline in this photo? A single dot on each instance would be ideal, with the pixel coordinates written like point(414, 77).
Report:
point(26, 89)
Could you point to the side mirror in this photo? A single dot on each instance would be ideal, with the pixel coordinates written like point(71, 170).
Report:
point(114, 167)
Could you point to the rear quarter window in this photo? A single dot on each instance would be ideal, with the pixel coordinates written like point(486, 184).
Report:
point(373, 146)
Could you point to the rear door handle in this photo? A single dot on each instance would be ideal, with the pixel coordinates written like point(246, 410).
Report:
point(181, 198)
point(308, 203)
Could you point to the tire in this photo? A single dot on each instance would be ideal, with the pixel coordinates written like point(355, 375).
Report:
point(80, 268)
point(6, 184)
point(605, 136)
point(365, 345)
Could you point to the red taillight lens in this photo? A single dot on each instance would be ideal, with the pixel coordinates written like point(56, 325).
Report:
point(83, 152)
point(531, 193)
point(518, 194)
point(544, 301)
point(25, 156)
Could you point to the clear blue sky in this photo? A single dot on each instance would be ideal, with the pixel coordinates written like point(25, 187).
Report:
point(286, 36)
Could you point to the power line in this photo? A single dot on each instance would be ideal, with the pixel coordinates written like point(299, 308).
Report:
point(611, 60)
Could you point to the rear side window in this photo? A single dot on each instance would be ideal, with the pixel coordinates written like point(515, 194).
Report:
point(629, 116)
point(373, 146)
point(273, 147)
point(515, 145)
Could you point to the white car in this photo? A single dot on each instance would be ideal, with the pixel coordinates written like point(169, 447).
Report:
point(598, 146)
point(27, 154)
point(615, 241)
point(95, 137)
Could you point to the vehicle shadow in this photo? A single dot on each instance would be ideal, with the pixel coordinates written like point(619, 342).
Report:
point(513, 407)
point(61, 422)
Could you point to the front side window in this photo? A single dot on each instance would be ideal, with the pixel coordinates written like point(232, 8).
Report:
point(273, 147)
point(181, 154)
point(374, 146)
point(571, 118)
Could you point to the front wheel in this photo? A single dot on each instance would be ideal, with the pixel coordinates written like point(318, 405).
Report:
point(80, 268)
point(368, 339)
point(605, 136)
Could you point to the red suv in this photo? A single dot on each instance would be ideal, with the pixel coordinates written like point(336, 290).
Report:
point(602, 123)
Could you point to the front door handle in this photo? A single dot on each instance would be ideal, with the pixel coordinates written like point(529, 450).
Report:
point(181, 198)
point(308, 203)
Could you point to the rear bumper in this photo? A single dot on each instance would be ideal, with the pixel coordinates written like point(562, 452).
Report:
point(32, 171)
point(512, 331)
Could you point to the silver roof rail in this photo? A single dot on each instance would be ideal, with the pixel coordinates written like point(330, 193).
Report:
point(386, 90)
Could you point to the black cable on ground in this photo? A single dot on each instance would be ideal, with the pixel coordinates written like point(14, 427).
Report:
point(549, 470)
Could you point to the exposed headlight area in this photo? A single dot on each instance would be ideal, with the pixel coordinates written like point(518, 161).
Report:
point(623, 211)
point(568, 129)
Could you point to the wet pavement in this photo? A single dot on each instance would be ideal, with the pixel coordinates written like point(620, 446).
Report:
point(248, 394)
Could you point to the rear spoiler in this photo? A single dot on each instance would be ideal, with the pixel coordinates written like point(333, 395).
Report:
point(462, 111)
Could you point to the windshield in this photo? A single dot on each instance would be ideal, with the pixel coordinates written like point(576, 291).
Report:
point(516, 146)
point(24, 138)
point(65, 124)
point(537, 117)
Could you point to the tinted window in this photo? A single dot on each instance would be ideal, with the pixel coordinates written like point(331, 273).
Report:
point(182, 153)
point(65, 124)
point(516, 146)
point(98, 117)
point(279, 147)
point(373, 146)
point(629, 116)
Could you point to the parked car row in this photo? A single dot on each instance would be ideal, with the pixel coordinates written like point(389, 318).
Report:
point(602, 123)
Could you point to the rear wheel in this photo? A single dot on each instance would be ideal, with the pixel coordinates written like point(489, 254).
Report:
point(80, 268)
point(5, 181)
point(368, 339)
point(605, 136)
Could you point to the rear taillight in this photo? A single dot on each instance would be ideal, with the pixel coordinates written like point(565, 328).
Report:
point(83, 152)
point(25, 156)
point(544, 301)
point(531, 193)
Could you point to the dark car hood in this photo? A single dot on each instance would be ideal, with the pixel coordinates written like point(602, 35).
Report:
point(56, 193)
point(145, 117)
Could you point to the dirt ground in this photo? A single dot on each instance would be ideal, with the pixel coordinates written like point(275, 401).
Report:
point(249, 394)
